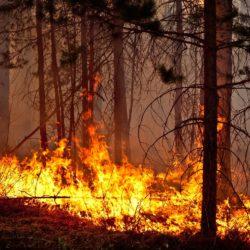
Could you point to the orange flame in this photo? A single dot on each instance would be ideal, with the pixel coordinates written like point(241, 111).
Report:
point(123, 197)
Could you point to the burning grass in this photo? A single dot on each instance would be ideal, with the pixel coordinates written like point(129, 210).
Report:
point(117, 198)
point(26, 224)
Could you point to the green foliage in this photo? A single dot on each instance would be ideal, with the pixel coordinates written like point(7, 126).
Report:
point(81, 4)
point(71, 56)
point(135, 10)
point(141, 12)
point(241, 30)
point(154, 27)
point(196, 16)
point(245, 71)
point(168, 76)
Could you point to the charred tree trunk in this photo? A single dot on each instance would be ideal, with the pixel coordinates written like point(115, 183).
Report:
point(178, 73)
point(202, 90)
point(72, 105)
point(208, 221)
point(72, 90)
point(55, 74)
point(85, 89)
point(91, 74)
point(224, 76)
point(120, 105)
point(4, 86)
point(41, 73)
point(72, 125)
point(194, 102)
point(132, 90)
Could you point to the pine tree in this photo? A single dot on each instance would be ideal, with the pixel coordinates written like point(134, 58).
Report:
point(209, 189)
point(41, 74)
point(4, 84)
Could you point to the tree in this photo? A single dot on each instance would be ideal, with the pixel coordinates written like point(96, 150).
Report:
point(121, 120)
point(224, 77)
point(209, 188)
point(91, 72)
point(55, 75)
point(178, 72)
point(41, 74)
point(4, 84)
point(85, 88)
point(141, 13)
point(120, 105)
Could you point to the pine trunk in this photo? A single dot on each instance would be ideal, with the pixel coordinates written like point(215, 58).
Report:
point(120, 105)
point(178, 72)
point(132, 88)
point(91, 73)
point(55, 76)
point(4, 87)
point(85, 89)
point(42, 107)
point(208, 221)
point(224, 76)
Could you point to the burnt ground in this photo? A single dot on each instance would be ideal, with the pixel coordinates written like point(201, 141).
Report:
point(35, 227)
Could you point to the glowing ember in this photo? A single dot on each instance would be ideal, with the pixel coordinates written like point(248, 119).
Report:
point(123, 197)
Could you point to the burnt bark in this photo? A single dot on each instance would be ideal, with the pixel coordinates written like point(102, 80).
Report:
point(72, 129)
point(85, 88)
point(136, 39)
point(208, 221)
point(55, 75)
point(91, 73)
point(120, 106)
point(224, 76)
point(41, 73)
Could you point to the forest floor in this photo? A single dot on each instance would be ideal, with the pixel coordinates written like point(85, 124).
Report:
point(35, 227)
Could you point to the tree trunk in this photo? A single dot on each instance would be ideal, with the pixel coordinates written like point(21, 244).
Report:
point(85, 89)
point(72, 129)
point(4, 87)
point(120, 105)
point(91, 73)
point(208, 221)
point(132, 90)
point(194, 102)
point(55, 75)
point(224, 76)
point(178, 72)
point(42, 107)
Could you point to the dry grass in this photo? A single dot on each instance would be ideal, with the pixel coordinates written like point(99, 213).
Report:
point(35, 227)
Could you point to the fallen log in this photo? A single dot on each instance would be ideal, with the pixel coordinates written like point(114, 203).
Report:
point(34, 198)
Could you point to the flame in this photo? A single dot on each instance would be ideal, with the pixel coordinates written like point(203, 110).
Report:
point(97, 81)
point(87, 115)
point(123, 197)
point(221, 121)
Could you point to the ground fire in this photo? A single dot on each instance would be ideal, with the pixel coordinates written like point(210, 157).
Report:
point(122, 197)
point(125, 124)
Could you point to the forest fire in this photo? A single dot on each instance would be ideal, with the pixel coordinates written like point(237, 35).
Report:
point(124, 124)
point(121, 198)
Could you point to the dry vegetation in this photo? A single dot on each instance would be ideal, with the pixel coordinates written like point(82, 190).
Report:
point(35, 227)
